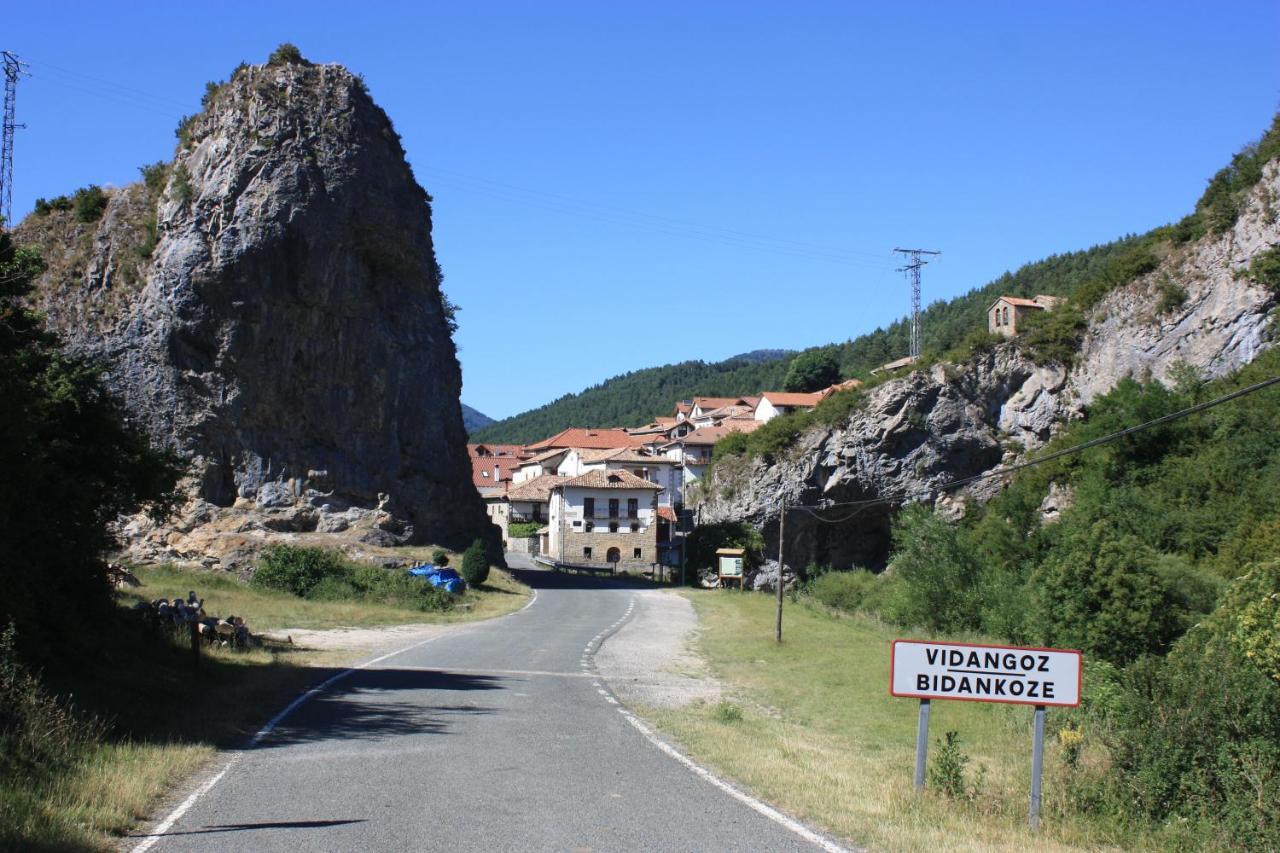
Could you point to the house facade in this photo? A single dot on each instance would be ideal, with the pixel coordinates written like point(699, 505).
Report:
point(604, 518)
point(1005, 314)
point(775, 403)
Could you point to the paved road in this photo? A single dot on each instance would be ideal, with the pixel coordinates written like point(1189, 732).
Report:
point(491, 737)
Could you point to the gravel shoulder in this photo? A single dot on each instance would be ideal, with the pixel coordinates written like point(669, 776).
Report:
point(649, 661)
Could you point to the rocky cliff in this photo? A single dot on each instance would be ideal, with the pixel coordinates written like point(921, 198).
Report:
point(269, 305)
point(916, 433)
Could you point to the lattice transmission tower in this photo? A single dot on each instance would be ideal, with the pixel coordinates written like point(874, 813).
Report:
point(12, 71)
point(912, 269)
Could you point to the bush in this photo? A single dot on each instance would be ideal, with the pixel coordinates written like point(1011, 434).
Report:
point(946, 773)
point(937, 575)
point(286, 54)
point(89, 202)
point(182, 189)
point(439, 557)
point(1197, 738)
point(523, 529)
point(154, 175)
point(1172, 296)
point(850, 591)
point(702, 544)
point(291, 568)
point(475, 565)
point(1053, 336)
point(812, 370)
point(1265, 269)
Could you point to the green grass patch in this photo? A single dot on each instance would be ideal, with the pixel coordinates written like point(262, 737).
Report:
point(809, 725)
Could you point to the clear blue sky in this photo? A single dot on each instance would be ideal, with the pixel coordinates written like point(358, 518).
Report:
point(624, 184)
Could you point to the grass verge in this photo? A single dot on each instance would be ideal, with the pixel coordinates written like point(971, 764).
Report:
point(165, 719)
point(809, 725)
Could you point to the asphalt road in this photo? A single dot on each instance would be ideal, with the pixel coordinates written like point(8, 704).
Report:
point(491, 737)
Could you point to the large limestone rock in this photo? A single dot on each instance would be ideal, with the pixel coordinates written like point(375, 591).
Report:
point(287, 333)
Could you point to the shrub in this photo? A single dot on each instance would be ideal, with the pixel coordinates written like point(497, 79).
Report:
point(89, 203)
point(1197, 738)
point(182, 189)
point(733, 444)
point(835, 409)
point(937, 575)
point(1053, 336)
point(946, 773)
point(980, 341)
point(1265, 269)
point(475, 565)
point(298, 570)
point(154, 175)
point(523, 529)
point(849, 591)
point(286, 54)
point(727, 713)
point(1172, 296)
point(706, 539)
point(439, 557)
point(812, 370)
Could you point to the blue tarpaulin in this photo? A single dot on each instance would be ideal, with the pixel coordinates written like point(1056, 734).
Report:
point(445, 578)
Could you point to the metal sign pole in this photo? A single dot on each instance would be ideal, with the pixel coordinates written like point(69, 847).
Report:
point(922, 743)
point(1037, 762)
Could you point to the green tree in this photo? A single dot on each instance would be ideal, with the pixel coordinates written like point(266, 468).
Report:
point(937, 575)
point(71, 466)
point(475, 565)
point(812, 370)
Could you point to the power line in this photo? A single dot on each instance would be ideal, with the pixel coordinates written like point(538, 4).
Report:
point(1057, 454)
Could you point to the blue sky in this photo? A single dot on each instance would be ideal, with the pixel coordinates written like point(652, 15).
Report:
point(626, 184)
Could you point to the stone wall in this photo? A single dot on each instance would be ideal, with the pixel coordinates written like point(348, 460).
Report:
point(600, 543)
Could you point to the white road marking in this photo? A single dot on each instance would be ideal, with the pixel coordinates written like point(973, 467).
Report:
point(161, 828)
point(746, 799)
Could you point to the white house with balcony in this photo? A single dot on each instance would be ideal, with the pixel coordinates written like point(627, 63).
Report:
point(604, 518)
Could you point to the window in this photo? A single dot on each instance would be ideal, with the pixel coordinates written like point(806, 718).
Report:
point(633, 507)
point(635, 527)
point(614, 555)
point(484, 474)
point(589, 507)
point(613, 527)
point(636, 553)
point(577, 523)
point(1006, 315)
point(613, 507)
point(586, 552)
point(590, 527)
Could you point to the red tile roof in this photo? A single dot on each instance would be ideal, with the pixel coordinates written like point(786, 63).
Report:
point(623, 454)
point(483, 474)
point(609, 480)
point(847, 385)
point(589, 439)
point(668, 513)
point(538, 489)
point(709, 403)
point(788, 398)
point(712, 434)
point(1019, 301)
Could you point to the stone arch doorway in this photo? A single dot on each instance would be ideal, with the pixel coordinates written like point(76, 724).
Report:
point(613, 556)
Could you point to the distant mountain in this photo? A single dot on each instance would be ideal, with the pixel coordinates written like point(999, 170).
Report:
point(473, 420)
point(756, 356)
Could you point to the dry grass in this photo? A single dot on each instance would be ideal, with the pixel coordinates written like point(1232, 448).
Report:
point(819, 736)
point(163, 725)
point(266, 610)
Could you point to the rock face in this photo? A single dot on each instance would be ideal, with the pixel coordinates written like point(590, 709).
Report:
point(287, 333)
point(919, 432)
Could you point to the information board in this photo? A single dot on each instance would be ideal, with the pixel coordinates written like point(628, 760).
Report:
point(977, 673)
point(730, 567)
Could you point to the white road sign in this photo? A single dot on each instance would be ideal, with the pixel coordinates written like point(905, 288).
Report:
point(924, 670)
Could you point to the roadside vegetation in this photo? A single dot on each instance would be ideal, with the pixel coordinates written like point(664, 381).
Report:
point(1163, 566)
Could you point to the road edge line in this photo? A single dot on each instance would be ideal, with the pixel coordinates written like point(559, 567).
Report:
point(205, 787)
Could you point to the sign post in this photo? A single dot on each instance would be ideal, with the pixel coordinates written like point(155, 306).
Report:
point(979, 673)
point(922, 743)
point(731, 564)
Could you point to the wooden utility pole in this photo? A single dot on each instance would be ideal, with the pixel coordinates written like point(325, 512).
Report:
point(782, 547)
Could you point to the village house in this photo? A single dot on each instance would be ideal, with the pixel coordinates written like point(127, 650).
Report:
point(492, 468)
point(693, 451)
point(896, 364)
point(603, 518)
point(659, 469)
point(1005, 314)
point(775, 403)
point(588, 438)
point(528, 502)
point(546, 462)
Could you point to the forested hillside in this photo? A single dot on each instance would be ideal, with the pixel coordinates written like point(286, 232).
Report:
point(638, 397)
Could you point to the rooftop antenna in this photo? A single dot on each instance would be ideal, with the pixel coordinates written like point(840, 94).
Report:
point(12, 71)
point(912, 269)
